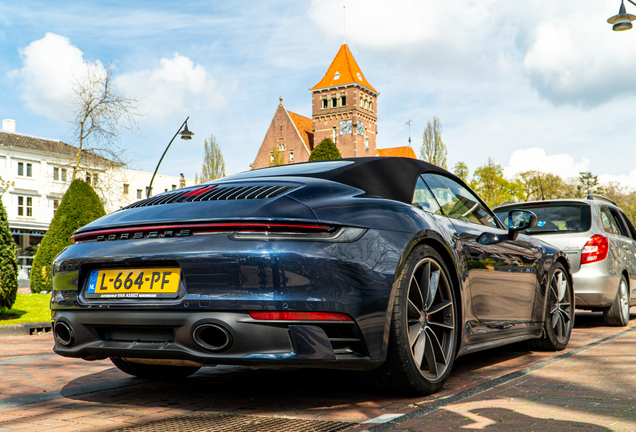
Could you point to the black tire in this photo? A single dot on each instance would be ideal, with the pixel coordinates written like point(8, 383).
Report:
point(163, 372)
point(618, 313)
point(559, 312)
point(424, 327)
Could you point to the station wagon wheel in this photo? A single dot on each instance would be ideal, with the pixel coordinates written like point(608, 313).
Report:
point(559, 313)
point(618, 313)
point(423, 337)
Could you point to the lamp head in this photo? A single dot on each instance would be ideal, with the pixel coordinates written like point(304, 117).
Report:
point(622, 21)
point(185, 133)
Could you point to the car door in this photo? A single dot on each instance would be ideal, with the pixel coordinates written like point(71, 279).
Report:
point(627, 242)
point(617, 254)
point(502, 273)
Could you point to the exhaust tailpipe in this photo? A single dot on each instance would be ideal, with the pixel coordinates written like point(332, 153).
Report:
point(64, 333)
point(212, 337)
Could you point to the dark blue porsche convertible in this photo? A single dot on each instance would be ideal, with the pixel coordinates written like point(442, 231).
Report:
point(389, 266)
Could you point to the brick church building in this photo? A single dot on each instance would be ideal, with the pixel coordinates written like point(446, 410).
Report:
point(344, 108)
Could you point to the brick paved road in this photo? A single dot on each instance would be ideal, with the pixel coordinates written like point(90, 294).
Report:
point(595, 389)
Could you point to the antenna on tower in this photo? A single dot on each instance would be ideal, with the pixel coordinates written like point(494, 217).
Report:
point(409, 124)
point(344, 23)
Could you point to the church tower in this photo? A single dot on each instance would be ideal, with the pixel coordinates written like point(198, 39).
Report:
point(344, 107)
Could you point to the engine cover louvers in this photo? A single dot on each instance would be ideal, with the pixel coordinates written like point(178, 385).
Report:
point(213, 193)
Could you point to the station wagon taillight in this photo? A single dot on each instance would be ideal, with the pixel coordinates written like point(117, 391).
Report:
point(595, 249)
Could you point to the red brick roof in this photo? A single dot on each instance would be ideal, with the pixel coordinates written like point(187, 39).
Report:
point(343, 70)
point(405, 151)
point(304, 126)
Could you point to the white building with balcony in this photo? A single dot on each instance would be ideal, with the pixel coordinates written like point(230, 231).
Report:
point(38, 172)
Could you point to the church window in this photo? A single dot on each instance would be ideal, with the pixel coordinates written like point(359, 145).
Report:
point(281, 147)
point(271, 157)
point(336, 75)
point(291, 155)
point(370, 106)
point(343, 100)
point(333, 136)
point(334, 102)
point(366, 144)
point(325, 104)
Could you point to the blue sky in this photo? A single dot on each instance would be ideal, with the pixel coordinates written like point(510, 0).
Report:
point(538, 84)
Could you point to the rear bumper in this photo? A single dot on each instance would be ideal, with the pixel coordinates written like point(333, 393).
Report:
point(169, 335)
point(594, 286)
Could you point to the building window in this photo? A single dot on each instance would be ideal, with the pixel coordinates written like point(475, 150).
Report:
point(25, 206)
point(63, 174)
point(343, 100)
point(271, 157)
point(174, 187)
point(95, 179)
point(291, 155)
point(126, 188)
point(139, 192)
point(56, 174)
point(148, 191)
point(370, 106)
point(88, 178)
point(56, 204)
point(334, 102)
point(366, 144)
point(281, 147)
point(333, 135)
point(21, 169)
point(325, 104)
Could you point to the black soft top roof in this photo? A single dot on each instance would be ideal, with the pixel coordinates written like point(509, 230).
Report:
point(387, 177)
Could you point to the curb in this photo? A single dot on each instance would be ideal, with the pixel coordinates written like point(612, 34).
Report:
point(27, 329)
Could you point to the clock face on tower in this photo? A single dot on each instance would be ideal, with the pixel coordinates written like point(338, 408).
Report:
point(345, 127)
point(360, 128)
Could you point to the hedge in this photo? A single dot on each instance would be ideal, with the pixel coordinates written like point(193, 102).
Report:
point(80, 206)
point(8, 262)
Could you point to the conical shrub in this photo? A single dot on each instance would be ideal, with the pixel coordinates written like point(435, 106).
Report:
point(325, 150)
point(8, 262)
point(80, 206)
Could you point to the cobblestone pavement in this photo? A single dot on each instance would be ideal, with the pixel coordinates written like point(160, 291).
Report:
point(591, 388)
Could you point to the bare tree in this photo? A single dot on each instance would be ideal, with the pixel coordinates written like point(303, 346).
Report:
point(213, 163)
point(433, 149)
point(99, 113)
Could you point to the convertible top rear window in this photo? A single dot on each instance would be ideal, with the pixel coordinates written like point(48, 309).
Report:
point(290, 170)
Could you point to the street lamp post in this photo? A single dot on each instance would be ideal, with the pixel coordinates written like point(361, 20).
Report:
point(185, 135)
point(622, 21)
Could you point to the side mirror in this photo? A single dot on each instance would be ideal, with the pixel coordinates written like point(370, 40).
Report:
point(520, 220)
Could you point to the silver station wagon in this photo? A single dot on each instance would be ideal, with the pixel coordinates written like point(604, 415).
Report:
point(599, 240)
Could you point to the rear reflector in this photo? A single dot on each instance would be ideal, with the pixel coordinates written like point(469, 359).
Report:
point(595, 249)
point(299, 316)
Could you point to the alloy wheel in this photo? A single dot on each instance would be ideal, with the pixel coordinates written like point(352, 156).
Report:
point(431, 320)
point(561, 309)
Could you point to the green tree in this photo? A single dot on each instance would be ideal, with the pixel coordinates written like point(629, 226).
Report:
point(461, 170)
point(433, 150)
point(588, 184)
point(8, 262)
point(537, 185)
point(492, 187)
point(80, 206)
point(213, 163)
point(324, 151)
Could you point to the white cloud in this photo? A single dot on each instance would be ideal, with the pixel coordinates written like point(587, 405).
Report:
point(628, 180)
point(176, 86)
point(49, 67)
point(536, 158)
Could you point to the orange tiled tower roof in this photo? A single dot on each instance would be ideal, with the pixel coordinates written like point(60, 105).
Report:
point(343, 70)
point(404, 151)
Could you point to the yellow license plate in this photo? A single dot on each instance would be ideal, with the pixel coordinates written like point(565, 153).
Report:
point(134, 283)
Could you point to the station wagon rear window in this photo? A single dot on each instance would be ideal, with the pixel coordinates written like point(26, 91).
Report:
point(555, 218)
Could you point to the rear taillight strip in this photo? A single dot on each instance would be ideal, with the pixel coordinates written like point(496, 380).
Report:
point(264, 227)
